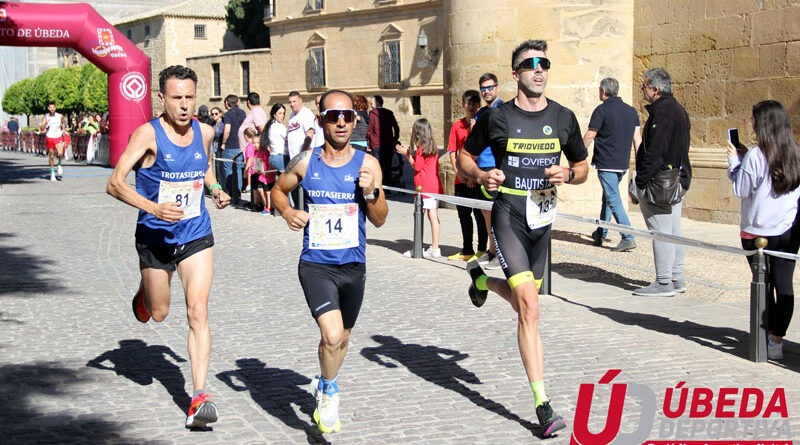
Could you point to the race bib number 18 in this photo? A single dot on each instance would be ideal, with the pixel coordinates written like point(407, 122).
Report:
point(541, 207)
point(187, 194)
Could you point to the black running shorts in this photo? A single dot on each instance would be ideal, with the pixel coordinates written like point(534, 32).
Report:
point(330, 287)
point(168, 257)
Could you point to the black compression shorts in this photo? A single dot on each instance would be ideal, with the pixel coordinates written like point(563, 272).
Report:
point(521, 251)
point(330, 287)
point(168, 257)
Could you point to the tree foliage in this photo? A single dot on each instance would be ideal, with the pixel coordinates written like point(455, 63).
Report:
point(245, 20)
point(73, 89)
point(18, 97)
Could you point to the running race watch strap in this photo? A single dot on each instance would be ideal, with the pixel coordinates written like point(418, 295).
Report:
point(571, 176)
point(374, 195)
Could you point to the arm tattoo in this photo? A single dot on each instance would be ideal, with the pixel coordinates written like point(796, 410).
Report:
point(303, 155)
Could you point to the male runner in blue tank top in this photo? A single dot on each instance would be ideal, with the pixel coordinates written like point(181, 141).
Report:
point(170, 155)
point(527, 136)
point(342, 189)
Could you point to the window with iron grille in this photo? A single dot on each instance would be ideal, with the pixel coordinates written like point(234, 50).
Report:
point(316, 68)
point(199, 31)
point(245, 78)
point(217, 83)
point(390, 69)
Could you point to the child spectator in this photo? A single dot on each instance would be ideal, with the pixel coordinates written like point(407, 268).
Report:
point(259, 175)
point(423, 155)
point(249, 152)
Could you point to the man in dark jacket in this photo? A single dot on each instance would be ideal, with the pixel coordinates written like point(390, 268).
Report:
point(665, 146)
point(383, 134)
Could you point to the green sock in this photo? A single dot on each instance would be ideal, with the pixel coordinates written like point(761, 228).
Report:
point(480, 282)
point(59, 161)
point(52, 169)
point(539, 395)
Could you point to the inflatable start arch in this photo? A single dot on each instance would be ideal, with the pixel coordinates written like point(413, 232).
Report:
point(79, 26)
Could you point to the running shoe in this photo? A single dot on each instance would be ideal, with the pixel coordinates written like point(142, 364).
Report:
point(139, 311)
point(432, 253)
point(326, 414)
point(478, 255)
point(202, 411)
point(59, 171)
point(477, 296)
point(459, 257)
point(774, 349)
point(549, 420)
point(53, 176)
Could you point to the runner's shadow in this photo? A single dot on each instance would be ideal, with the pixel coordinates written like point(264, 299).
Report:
point(142, 364)
point(439, 366)
point(276, 390)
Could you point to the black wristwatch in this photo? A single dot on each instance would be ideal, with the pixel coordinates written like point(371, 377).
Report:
point(374, 195)
point(571, 176)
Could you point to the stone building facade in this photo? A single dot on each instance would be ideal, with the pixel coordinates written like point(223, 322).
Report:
point(173, 33)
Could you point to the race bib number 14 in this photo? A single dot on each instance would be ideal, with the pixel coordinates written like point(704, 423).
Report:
point(333, 226)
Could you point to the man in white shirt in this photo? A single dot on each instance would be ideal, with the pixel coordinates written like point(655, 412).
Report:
point(256, 119)
point(302, 125)
point(53, 124)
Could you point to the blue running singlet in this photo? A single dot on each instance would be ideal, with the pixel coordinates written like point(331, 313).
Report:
point(177, 175)
point(336, 232)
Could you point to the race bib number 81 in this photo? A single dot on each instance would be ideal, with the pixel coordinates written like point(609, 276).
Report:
point(187, 194)
point(541, 207)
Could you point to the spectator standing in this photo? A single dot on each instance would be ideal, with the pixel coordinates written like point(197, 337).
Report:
point(14, 128)
point(300, 133)
point(319, 138)
point(665, 146)
point(613, 127)
point(423, 155)
point(173, 231)
point(766, 178)
point(92, 125)
point(256, 118)
point(276, 138)
point(383, 134)
point(53, 124)
point(332, 267)
point(359, 139)
point(463, 187)
point(104, 124)
point(489, 87)
point(301, 127)
point(204, 116)
point(232, 120)
point(257, 157)
point(538, 129)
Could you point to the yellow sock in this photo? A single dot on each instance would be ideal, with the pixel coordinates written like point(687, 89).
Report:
point(539, 394)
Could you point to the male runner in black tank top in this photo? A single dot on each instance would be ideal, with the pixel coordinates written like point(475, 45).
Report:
point(527, 136)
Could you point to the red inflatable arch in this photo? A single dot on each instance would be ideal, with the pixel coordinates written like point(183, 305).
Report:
point(79, 26)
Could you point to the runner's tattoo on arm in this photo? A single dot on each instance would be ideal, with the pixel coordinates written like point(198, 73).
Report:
point(303, 155)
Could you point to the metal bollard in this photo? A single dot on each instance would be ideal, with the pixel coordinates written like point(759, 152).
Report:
point(545, 288)
point(758, 304)
point(416, 251)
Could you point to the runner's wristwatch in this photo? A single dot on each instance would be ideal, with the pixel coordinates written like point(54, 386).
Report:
point(571, 176)
point(374, 195)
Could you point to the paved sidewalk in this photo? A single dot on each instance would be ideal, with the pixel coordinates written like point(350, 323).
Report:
point(424, 366)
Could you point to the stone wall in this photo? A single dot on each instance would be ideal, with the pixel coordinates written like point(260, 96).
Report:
point(230, 67)
point(724, 56)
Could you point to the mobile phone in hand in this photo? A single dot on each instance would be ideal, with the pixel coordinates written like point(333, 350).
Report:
point(733, 136)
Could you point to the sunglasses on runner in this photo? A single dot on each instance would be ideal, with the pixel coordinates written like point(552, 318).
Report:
point(333, 115)
point(530, 63)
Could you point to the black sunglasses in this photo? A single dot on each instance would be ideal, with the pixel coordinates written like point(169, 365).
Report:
point(488, 88)
point(530, 63)
point(333, 115)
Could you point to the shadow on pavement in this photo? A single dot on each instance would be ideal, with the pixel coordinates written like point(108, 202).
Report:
point(23, 273)
point(594, 274)
point(14, 172)
point(24, 423)
point(428, 363)
point(276, 390)
point(142, 364)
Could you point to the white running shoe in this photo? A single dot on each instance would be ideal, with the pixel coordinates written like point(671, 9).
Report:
point(326, 415)
point(774, 350)
point(59, 170)
point(53, 176)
